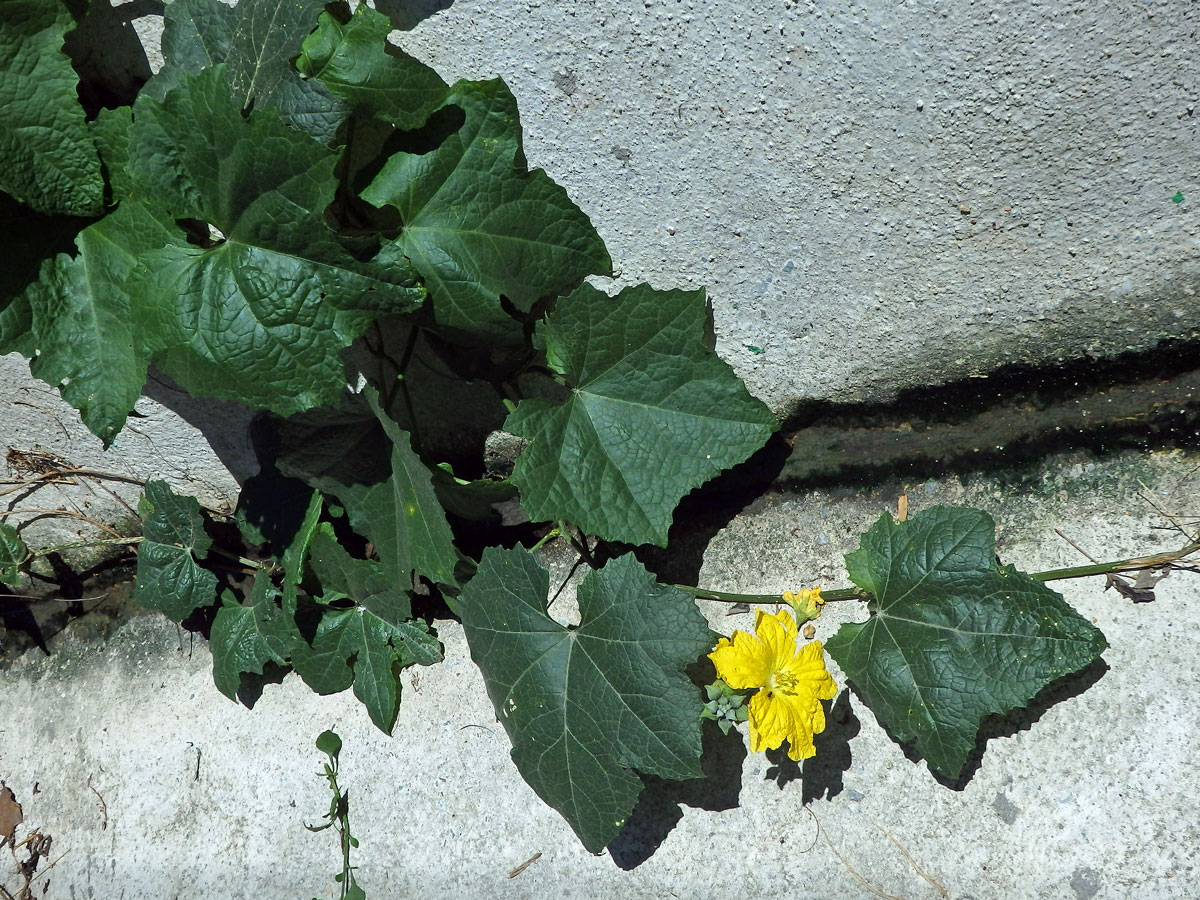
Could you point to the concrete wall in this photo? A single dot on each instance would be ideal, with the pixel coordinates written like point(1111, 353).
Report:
point(876, 194)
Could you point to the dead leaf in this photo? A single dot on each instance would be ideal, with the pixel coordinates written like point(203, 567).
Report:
point(809, 632)
point(1141, 589)
point(525, 865)
point(10, 815)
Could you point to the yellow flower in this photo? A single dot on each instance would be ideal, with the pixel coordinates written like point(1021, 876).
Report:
point(792, 682)
point(805, 603)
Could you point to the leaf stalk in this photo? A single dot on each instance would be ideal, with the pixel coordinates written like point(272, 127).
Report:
point(1154, 561)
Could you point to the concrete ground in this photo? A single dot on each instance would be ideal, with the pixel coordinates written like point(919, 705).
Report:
point(152, 784)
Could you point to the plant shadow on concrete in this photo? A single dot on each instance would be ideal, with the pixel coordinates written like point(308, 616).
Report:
point(658, 808)
point(820, 776)
point(1009, 724)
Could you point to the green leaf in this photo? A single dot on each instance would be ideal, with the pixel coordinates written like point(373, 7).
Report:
point(368, 75)
point(110, 129)
point(652, 413)
point(50, 161)
point(329, 743)
point(366, 643)
point(266, 39)
point(478, 226)
point(29, 238)
point(85, 330)
point(256, 40)
point(261, 317)
point(245, 638)
point(197, 34)
point(586, 706)
point(953, 636)
point(332, 444)
point(13, 553)
point(200, 34)
point(297, 551)
point(472, 500)
point(173, 538)
point(361, 580)
point(15, 322)
point(401, 515)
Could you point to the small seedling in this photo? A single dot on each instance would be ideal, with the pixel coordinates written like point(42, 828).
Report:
point(339, 816)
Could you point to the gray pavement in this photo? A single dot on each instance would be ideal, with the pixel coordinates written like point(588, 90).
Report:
point(154, 785)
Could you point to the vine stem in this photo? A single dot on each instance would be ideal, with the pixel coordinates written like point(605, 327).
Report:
point(60, 512)
point(1155, 561)
point(546, 538)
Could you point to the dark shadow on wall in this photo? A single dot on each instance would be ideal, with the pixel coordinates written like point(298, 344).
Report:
point(107, 53)
point(1012, 418)
point(226, 426)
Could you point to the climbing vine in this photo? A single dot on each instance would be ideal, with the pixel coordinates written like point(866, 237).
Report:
point(295, 215)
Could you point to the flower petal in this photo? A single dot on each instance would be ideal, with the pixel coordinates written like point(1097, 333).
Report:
point(808, 668)
point(793, 683)
point(770, 722)
point(741, 661)
point(778, 635)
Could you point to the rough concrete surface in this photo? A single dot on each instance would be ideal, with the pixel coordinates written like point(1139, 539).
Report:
point(201, 447)
point(879, 194)
point(154, 785)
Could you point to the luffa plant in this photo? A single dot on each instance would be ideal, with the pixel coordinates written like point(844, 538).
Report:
point(294, 206)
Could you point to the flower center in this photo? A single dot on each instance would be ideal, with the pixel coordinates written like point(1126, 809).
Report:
point(782, 682)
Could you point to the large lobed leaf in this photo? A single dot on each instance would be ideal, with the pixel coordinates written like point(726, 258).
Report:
point(173, 539)
point(652, 414)
point(29, 238)
point(366, 74)
point(256, 40)
point(50, 160)
point(953, 636)
point(479, 227)
point(400, 515)
point(245, 637)
point(292, 560)
point(260, 317)
point(88, 339)
point(364, 644)
point(584, 707)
